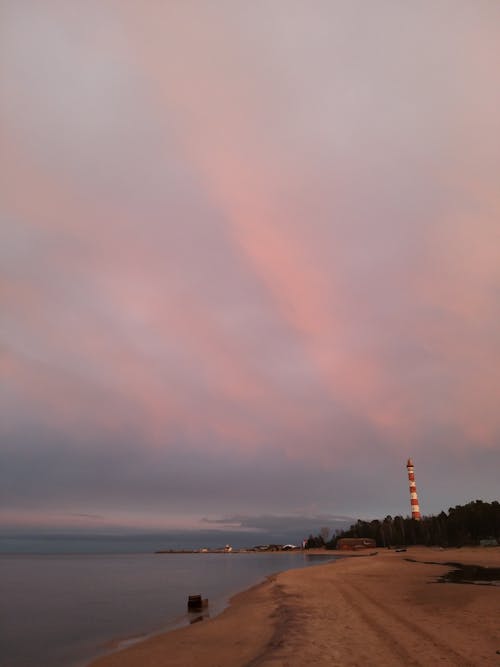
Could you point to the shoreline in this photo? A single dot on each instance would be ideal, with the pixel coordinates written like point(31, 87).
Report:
point(147, 645)
point(385, 609)
point(185, 620)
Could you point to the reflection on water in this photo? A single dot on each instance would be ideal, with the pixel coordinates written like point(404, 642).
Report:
point(196, 616)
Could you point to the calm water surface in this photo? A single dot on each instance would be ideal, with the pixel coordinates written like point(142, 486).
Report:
point(61, 611)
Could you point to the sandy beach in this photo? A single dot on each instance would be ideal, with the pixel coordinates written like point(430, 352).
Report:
point(370, 610)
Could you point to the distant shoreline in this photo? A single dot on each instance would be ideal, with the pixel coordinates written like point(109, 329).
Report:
point(239, 551)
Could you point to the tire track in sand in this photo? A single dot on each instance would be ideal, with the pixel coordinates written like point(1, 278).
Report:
point(381, 616)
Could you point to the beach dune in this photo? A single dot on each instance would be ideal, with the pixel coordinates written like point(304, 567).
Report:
point(368, 610)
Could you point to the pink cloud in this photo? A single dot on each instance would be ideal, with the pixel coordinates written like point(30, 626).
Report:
point(252, 234)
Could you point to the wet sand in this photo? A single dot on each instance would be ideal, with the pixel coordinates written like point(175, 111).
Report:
point(373, 610)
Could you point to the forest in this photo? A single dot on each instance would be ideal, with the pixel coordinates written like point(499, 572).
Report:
point(461, 525)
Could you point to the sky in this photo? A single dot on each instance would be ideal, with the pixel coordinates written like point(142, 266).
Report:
point(250, 260)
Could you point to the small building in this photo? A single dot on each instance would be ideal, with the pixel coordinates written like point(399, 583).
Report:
point(354, 543)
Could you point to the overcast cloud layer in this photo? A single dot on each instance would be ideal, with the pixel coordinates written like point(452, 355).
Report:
point(250, 259)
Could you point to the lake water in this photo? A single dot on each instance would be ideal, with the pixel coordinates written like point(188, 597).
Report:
point(63, 610)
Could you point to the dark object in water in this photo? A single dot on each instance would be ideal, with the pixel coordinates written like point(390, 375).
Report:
point(398, 551)
point(195, 603)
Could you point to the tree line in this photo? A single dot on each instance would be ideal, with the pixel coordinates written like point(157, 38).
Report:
point(461, 525)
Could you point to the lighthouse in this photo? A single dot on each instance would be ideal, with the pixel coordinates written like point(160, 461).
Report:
point(415, 509)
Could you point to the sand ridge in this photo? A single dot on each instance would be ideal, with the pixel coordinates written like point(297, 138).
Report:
point(374, 610)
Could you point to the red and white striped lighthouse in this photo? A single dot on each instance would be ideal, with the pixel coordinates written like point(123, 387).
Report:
point(415, 509)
